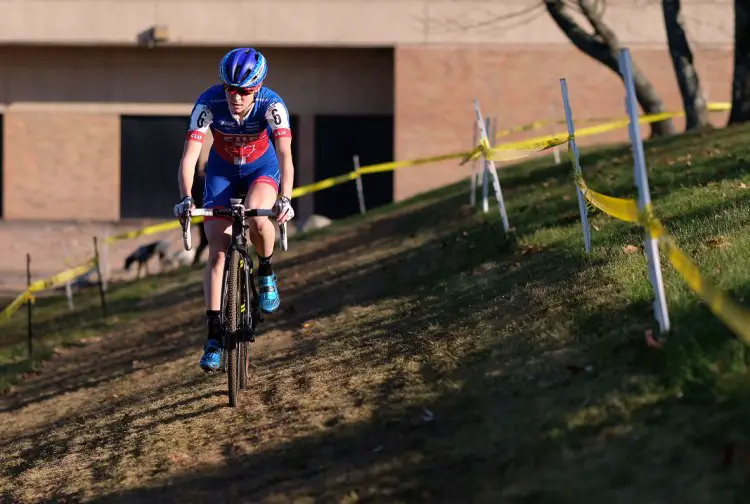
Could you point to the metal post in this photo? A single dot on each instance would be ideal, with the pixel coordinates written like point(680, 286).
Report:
point(474, 174)
point(486, 175)
point(493, 171)
point(644, 195)
point(28, 303)
point(358, 180)
point(99, 279)
point(574, 148)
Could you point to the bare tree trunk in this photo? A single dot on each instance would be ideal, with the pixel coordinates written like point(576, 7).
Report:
point(741, 80)
point(603, 46)
point(693, 99)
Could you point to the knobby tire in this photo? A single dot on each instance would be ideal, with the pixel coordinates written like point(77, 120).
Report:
point(233, 315)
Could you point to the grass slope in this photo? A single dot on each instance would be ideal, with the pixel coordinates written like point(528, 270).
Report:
point(423, 356)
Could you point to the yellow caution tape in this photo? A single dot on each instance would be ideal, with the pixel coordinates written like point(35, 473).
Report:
point(40, 285)
point(619, 208)
point(16, 304)
point(62, 277)
point(148, 230)
point(394, 165)
point(376, 168)
point(712, 107)
point(323, 184)
point(505, 152)
point(736, 317)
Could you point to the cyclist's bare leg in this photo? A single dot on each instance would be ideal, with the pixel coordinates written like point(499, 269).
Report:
point(263, 238)
point(218, 232)
point(262, 231)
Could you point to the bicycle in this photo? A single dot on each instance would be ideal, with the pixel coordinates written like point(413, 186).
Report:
point(238, 322)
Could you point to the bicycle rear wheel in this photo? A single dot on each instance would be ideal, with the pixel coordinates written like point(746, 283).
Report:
point(246, 320)
point(233, 324)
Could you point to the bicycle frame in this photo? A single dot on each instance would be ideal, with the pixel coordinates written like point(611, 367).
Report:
point(239, 311)
point(238, 242)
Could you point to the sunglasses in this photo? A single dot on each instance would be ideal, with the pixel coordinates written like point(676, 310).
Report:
point(238, 90)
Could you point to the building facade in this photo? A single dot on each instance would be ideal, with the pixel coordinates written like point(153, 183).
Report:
point(93, 116)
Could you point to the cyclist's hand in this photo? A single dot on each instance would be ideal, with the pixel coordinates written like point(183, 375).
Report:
point(183, 209)
point(283, 209)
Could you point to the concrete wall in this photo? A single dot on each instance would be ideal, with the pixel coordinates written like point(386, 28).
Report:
point(336, 22)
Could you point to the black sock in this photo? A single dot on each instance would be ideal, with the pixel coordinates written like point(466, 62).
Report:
point(264, 266)
point(213, 320)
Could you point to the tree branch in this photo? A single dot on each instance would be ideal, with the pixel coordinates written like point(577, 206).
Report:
point(603, 46)
point(693, 100)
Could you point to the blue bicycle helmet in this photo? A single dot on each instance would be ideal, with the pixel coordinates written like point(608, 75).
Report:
point(243, 67)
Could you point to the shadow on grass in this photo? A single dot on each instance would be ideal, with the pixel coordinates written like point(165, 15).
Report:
point(514, 421)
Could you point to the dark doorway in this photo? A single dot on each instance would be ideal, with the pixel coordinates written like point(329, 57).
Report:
point(337, 139)
point(151, 151)
point(294, 124)
point(151, 148)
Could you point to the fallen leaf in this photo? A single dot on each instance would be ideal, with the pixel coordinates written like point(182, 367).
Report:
point(630, 249)
point(529, 250)
point(717, 242)
point(743, 185)
point(651, 341)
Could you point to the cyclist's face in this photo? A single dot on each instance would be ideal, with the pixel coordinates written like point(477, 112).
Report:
point(239, 100)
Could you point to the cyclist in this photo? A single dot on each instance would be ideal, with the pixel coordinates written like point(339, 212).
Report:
point(242, 115)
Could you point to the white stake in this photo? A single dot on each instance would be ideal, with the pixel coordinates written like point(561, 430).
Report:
point(644, 194)
point(486, 176)
point(492, 169)
point(574, 148)
point(474, 171)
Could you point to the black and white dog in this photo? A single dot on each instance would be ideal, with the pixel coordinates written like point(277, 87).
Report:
point(145, 252)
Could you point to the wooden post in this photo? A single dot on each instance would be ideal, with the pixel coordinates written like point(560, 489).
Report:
point(28, 302)
point(99, 276)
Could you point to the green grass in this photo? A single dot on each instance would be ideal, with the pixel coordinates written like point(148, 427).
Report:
point(700, 184)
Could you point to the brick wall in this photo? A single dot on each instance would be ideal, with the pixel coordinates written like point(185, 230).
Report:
point(61, 165)
point(435, 86)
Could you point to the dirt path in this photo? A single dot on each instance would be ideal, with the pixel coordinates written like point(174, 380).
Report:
point(130, 411)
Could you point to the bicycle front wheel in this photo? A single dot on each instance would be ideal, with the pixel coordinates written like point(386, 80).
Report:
point(233, 324)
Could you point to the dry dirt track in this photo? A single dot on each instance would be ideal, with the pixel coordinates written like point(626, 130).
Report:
point(129, 416)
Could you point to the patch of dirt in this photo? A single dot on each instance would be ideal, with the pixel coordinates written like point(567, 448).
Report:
point(132, 406)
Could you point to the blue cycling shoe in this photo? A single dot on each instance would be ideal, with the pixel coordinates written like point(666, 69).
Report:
point(211, 359)
point(269, 293)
